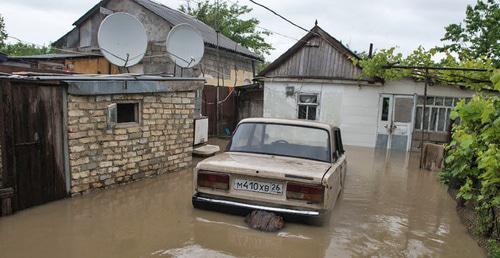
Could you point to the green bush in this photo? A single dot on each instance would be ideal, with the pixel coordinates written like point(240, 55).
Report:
point(494, 249)
point(472, 164)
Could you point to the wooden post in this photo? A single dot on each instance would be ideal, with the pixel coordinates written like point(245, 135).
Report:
point(6, 196)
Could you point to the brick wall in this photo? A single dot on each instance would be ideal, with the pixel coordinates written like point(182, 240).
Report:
point(160, 143)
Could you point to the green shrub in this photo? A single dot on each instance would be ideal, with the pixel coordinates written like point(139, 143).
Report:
point(493, 249)
point(472, 164)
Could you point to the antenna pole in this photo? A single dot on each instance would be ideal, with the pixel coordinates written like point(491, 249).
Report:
point(218, 69)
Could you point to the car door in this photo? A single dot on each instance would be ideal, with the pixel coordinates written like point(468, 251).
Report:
point(335, 175)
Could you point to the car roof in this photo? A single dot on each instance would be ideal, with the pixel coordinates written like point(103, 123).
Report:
point(296, 122)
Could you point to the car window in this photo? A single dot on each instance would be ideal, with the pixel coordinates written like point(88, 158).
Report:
point(280, 139)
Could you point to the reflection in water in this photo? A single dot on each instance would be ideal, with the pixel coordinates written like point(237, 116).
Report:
point(389, 208)
point(191, 251)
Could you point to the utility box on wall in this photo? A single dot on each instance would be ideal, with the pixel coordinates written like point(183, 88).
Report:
point(200, 130)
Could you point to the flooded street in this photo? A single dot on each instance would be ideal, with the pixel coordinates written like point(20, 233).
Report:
point(389, 209)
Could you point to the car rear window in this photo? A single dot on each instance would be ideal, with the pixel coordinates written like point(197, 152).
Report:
point(283, 140)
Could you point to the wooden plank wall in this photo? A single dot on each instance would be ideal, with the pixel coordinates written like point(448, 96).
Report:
point(33, 153)
point(319, 59)
point(91, 65)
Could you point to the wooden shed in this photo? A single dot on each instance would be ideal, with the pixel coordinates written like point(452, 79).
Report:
point(67, 135)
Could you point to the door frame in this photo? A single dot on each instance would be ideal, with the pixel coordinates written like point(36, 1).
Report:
point(390, 119)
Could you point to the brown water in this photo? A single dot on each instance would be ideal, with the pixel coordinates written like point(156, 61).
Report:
point(389, 209)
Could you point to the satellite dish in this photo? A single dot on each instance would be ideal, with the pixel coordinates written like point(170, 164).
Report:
point(185, 45)
point(122, 39)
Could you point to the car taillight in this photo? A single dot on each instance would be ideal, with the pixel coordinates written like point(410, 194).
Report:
point(310, 193)
point(213, 180)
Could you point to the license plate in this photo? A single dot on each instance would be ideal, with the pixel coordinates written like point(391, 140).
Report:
point(257, 186)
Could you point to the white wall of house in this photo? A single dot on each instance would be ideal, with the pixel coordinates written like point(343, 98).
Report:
point(352, 107)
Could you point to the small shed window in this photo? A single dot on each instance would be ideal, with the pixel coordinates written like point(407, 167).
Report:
point(127, 113)
point(86, 34)
point(123, 114)
point(307, 106)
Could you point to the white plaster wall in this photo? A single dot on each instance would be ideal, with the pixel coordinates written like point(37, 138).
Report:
point(353, 108)
point(359, 115)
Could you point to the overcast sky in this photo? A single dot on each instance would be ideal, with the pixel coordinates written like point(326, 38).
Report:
point(357, 23)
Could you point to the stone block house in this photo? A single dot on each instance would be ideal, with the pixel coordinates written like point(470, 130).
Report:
point(225, 63)
point(68, 135)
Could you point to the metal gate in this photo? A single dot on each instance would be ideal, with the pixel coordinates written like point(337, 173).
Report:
point(31, 123)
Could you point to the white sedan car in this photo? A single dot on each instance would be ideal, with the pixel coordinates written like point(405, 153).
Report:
point(291, 167)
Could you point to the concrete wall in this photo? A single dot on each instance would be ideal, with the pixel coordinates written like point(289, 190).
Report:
point(160, 143)
point(352, 107)
point(250, 103)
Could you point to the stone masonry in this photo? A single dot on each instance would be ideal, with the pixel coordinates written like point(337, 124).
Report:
point(161, 142)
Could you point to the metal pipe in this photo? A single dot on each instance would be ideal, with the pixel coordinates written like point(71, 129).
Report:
point(423, 115)
point(435, 68)
point(218, 71)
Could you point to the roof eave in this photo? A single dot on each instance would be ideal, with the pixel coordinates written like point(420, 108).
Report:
point(235, 52)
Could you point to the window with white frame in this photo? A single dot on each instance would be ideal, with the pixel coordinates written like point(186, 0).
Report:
point(307, 106)
point(437, 113)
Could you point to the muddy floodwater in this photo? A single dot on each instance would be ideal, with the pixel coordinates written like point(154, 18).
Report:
point(389, 208)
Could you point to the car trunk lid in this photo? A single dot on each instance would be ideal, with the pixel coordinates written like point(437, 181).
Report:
point(268, 166)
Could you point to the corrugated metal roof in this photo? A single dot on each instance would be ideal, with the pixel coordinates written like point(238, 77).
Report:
point(55, 56)
point(175, 17)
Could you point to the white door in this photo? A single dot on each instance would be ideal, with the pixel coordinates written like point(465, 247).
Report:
point(395, 119)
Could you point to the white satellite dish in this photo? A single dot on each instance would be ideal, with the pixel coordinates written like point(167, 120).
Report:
point(185, 45)
point(122, 39)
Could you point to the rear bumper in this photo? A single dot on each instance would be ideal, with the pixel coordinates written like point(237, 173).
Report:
point(231, 205)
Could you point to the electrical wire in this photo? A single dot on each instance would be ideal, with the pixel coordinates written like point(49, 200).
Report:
point(278, 33)
point(279, 15)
